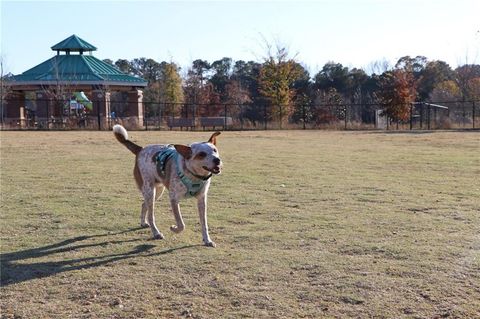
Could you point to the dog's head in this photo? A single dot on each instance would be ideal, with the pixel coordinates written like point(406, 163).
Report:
point(202, 158)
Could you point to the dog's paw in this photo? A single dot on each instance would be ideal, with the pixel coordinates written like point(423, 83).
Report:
point(144, 225)
point(176, 229)
point(210, 244)
point(158, 236)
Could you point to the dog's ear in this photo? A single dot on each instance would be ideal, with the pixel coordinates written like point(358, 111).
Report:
point(213, 138)
point(184, 150)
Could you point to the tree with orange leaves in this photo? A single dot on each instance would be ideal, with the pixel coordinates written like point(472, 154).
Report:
point(397, 92)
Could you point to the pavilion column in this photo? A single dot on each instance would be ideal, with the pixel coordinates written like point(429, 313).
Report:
point(101, 108)
point(14, 109)
point(134, 110)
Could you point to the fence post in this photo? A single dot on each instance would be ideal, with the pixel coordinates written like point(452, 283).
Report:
point(421, 116)
point(346, 120)
point(225, 118)
point(1, 109)
point(473, 114)
point(160, 114)
point(241, 117)
point(265, 116)
point(428, 116)
point(303, 115)
point(411, 116)
point(145, 117)
point(48, 113)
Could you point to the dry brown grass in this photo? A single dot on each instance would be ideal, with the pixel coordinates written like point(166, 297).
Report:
point(308, 224)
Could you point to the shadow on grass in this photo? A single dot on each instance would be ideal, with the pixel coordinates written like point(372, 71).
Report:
point(14, 269)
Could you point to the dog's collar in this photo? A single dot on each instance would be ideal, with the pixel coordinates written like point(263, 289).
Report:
point(193, 187)
point(204, 178)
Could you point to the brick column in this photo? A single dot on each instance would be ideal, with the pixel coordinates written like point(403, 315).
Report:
point(101, 108)
point(134, 110)
point(14, 109)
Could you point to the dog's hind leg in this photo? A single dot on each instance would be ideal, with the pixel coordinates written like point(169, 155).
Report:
point(149, 202)
point(143, 215)
point(139, 181)
point(178, 217)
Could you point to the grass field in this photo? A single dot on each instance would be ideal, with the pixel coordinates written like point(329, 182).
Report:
point(308, 224)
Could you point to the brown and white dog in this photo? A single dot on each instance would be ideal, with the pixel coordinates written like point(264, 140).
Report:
point(184, 170)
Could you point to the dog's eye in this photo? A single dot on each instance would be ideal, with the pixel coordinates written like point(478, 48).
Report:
point(201, 155)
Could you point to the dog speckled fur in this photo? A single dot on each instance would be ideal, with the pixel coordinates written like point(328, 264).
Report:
point(200, 159)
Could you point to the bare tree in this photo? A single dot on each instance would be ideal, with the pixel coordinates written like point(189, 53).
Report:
point(378, 67)
point(5, 87)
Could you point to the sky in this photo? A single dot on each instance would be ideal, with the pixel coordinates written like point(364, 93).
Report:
point(355, 33)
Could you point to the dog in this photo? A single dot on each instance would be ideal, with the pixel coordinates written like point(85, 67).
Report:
point(185, 171)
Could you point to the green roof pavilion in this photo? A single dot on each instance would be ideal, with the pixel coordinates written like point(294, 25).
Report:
point(73, 69)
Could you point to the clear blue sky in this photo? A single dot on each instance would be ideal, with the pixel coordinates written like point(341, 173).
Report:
point(352, 32)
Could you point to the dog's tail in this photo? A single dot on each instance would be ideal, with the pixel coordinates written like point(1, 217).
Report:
point(122, 136)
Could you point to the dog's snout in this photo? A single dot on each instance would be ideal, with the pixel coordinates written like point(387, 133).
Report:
point(216, 161)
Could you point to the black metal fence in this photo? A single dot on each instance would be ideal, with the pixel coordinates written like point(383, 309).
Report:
point(61, 115)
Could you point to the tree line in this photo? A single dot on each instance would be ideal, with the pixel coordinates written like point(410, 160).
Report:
point(291, 93)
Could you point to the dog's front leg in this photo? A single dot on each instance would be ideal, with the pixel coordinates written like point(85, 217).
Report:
point(178, 216)
point(202, 213)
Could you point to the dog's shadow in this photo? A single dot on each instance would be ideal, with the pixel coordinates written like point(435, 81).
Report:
point(16, 267)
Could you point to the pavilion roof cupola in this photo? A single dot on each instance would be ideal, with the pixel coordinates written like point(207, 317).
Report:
point(73, 44)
